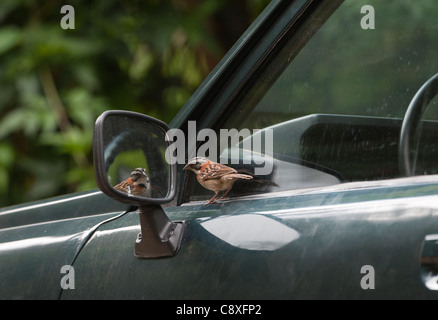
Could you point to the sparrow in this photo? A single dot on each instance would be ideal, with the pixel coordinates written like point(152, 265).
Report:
point(137, 184)
point(214, 176)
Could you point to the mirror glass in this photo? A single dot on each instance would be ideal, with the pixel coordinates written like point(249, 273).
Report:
point(134, 156)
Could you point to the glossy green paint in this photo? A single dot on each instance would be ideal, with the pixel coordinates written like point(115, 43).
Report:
point(73, 206)
point(36, 240)
point(295, 245)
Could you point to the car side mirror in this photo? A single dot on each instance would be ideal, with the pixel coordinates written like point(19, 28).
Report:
point(130, 166)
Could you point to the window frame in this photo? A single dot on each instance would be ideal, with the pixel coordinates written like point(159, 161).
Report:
point(240, 68)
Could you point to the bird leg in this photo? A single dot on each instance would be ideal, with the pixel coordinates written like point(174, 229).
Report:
point(223, 196)
point(212, 200)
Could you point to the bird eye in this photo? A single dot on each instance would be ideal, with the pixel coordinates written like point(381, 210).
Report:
point(198, 166)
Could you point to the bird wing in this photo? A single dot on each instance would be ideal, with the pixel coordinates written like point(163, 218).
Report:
point(215, 171)
point(122, 186)
point(235, 176)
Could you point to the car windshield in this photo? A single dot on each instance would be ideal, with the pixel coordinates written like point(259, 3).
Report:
point(335, 105)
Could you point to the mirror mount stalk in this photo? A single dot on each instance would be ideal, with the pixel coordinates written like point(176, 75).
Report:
point(130, 165)
point(159, 236)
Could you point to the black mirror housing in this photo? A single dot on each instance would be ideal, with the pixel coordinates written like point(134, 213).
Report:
point(130, 165)
point(125, 141)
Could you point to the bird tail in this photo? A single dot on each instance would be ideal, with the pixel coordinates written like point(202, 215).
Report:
point(242, 176)
point(256, 179)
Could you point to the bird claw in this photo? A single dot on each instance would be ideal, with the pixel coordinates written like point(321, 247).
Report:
point(215, 200)
point(210, 202)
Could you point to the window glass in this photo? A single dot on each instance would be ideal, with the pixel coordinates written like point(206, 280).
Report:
point(335, 108)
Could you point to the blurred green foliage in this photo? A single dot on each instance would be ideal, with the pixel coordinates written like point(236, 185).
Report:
point(145, 56)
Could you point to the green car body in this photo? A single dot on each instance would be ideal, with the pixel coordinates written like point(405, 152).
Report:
point(371, 239)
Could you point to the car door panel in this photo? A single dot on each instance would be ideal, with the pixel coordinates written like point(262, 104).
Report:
point(34, 245)
point(306, 246)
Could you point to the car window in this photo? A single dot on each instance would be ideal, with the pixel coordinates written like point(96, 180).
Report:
point(331, 111)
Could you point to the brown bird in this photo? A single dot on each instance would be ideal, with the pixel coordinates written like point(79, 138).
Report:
point(214, 176)
point(137, 184)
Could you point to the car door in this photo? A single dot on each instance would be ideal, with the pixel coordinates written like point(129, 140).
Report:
point(325, 87)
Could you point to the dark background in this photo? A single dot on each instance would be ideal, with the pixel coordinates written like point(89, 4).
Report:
point(144, 56)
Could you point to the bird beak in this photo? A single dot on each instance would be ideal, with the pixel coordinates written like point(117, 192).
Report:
point(186, 167)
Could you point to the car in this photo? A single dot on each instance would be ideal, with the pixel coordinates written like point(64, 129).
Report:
point(329, 107)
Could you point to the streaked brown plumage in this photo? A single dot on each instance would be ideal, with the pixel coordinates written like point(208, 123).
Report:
point(137, 184)
point(214, 176)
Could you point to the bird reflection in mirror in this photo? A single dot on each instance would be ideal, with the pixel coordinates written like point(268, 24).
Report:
point(137, 184)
